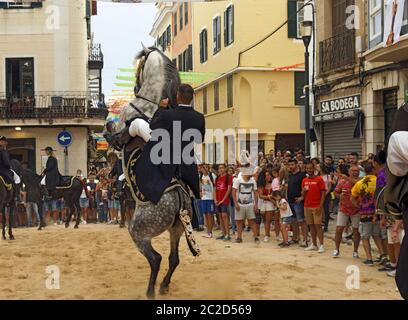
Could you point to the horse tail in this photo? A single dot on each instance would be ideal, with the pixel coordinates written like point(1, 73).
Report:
point(186, 221)
point(88, 195)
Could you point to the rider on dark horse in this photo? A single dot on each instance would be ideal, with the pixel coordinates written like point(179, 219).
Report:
point(8, 175)
point(153, 177)
point(51, 175)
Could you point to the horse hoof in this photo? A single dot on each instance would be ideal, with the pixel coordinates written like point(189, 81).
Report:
point(39, 229)
point(150, 295)
point(121, 226)
point(4, 238)
point(12, 237)
point(164, 289)
point(76, 226)
point(67, 225)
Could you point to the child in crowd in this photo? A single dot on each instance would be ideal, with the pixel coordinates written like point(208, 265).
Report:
point(285, 217)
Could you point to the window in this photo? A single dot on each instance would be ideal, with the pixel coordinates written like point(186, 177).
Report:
point(185, 60)
point(375, 12)
point(300, 17)
point(404, 29)
point(175, 23)
point(205, 101)
point(230, 91)
point(19, 4)
point(185, 13)
point(216, 96)
point(203, 46)
point(164, 37)
point(180, 62)
point(20, 77)
point(339, 16)
point(181, 16)
point(299, 85)
point(190, 58)
point(168, 36)
point(229, 26)
point(216, 35)
point(295, 18)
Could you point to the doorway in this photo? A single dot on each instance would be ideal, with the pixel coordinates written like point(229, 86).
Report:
point(23, 150)
point(390, 99)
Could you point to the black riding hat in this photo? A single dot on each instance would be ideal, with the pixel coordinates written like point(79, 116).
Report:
point(49, 149)
point(3, 138)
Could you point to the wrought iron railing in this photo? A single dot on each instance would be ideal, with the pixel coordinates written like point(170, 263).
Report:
point(95, 53)
point(53, 105)
point(337, 52)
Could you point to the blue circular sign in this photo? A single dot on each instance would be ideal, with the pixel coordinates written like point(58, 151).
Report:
point(64, 138)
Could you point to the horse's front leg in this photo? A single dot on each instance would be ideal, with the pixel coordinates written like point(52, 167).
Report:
point(11, 222)
point(78, 215)
point(69, 214)
point(3, 215)
point(175, 233)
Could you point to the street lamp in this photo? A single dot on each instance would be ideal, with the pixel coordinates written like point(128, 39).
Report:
point(306, 33)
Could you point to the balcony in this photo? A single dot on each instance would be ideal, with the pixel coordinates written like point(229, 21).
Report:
point(397, 52)
point(337, 52)
point(20, 4)
point(95, 57)
point(52, 107)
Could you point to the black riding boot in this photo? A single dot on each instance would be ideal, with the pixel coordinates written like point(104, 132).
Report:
point(17, 189)
point(46, 193)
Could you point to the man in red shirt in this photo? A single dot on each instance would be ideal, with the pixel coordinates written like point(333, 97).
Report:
point(223, 186)
point(313, 193)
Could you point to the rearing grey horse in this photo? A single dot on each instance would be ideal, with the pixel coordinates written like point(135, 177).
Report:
point(157, 79)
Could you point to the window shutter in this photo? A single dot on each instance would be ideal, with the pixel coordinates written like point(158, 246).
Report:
point(190, 58)
point(215, 35)
point(219, 34)
point(186, 13)
point(201, 47)
point(299, 85)
point(232, 17)
point(292, 19)
point(205, 45)
point(169, 35)
point(226, 28)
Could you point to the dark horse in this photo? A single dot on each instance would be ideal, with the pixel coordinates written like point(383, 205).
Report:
point(71, 192)
point(7, 201)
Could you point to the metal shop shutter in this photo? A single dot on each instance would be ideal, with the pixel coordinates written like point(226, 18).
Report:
point(338, 139)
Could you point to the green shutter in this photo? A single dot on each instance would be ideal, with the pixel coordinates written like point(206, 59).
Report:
point(226, 28)
point(292, 18)
point(232, 23)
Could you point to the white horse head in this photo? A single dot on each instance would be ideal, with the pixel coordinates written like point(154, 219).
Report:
point(157, 79)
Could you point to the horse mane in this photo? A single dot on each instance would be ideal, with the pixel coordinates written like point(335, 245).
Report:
point(171, 74)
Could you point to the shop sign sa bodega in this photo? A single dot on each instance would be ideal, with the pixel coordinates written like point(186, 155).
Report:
point(340, 104)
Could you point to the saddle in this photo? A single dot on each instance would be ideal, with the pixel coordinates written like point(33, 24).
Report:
point(131, 153)
point(65, 182)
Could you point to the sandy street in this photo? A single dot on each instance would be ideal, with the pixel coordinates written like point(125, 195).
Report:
point(101, 262)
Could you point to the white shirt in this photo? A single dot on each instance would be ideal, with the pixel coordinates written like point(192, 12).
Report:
point(397, 160)
point(285, 213)
point(207, 187)
point(245, 191)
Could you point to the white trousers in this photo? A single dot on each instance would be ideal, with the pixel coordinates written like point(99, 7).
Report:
point(43, 181)
point(17, 179)
point(141, 128)
point(397, 159)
